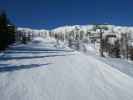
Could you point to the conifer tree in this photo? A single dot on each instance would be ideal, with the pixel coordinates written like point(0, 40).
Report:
point(7, 31)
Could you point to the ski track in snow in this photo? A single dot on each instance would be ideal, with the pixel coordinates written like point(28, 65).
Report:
point(39, 71)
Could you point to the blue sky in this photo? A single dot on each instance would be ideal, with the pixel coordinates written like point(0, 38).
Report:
point(53, 13)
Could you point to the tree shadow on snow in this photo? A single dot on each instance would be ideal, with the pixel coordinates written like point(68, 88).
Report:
point(34, 52)
point(39, 49)
point(30, 57)
point(8, 68)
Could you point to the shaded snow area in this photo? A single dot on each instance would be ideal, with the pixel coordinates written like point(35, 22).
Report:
point(41, 71)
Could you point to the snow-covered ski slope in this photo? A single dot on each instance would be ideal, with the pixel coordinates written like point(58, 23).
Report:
point(40, 71)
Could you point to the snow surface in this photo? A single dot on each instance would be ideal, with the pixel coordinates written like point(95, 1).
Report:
point(40, 71)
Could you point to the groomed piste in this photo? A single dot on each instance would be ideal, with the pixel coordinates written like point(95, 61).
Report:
point(42, 71)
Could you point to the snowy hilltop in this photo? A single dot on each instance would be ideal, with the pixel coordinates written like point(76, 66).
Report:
point(84, 28)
